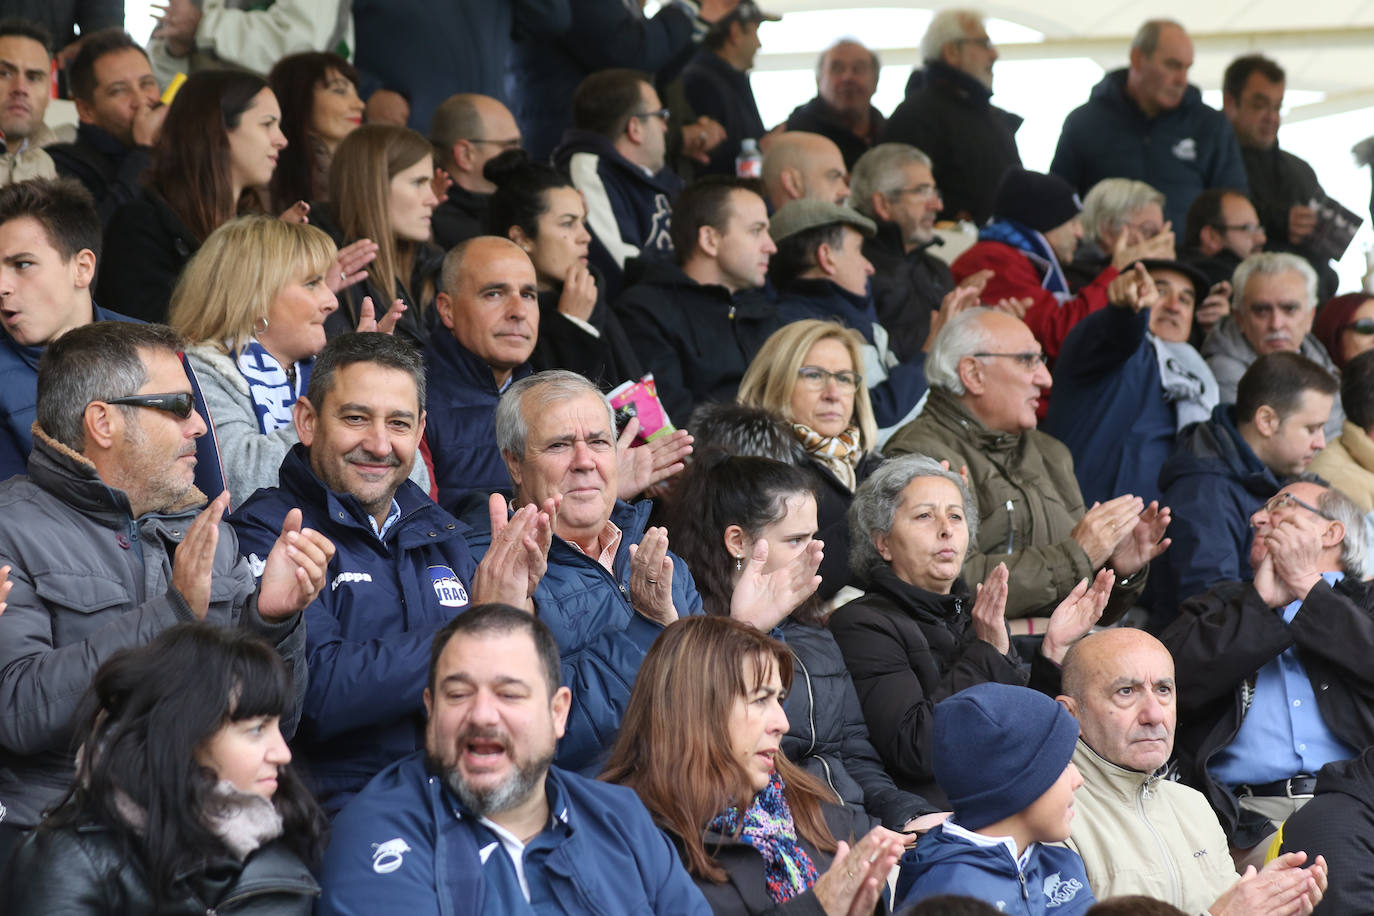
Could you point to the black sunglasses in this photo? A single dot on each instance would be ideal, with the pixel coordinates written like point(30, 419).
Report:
point(179, 404)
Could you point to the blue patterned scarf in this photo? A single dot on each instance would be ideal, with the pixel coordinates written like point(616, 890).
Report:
point(1034, 246)
point(272, 389)
point(768, 827)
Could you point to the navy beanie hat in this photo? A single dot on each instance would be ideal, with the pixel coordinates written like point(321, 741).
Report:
point(998, 748)
point(1036, 200)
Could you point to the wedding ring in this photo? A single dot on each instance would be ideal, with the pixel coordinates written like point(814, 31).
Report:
point(653, 581)
point(343, 276)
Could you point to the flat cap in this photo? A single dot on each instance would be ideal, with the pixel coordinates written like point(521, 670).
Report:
point(799, 215)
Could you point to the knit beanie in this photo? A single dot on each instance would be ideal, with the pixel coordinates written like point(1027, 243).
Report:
point(998, 748)
point(1332, 319)
point(1036, 200)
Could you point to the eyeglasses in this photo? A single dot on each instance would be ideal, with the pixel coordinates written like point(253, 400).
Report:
point(1285, 500)
point(661, 113)
point(924, 191)
point(1363, 326)
point(816, 378)
point(504, 144)
point(1028, 361)
point(1247, 228)
point(179, 404)
point(984, 42)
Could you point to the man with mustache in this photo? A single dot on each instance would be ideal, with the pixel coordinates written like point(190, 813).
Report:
point(1274, 299)
point(402, 570)
point(1137, 831)
point(480, 821)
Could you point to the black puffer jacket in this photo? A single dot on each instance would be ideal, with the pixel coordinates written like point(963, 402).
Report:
point(826, 734)
point(82, 871)
point(907, 287)
point(907, 649)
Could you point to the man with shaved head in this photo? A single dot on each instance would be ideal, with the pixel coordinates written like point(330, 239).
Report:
point(468, 131)
point(804, 166)
point(1138, 832)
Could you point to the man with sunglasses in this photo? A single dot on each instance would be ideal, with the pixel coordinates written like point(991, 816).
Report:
point(468, 131)
point(987, 374)
point(1224, 469)
point(1273, 670)
point(111, 543)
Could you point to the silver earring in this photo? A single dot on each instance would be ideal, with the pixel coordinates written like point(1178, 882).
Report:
point(739, 564)
point(256, 329)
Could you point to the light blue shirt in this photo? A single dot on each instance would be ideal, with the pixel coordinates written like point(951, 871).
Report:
point(392, 518)
point(1283, 733)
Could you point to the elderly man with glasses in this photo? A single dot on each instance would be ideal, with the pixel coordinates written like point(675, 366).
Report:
point(111, 543)
point(987, 374)
point(1274, 679)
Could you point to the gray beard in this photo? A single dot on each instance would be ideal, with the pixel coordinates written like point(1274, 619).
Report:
point(485, 802)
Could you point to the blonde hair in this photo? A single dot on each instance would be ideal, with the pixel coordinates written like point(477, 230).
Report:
point(231, 283)
point(360, 192)
point(772, 375)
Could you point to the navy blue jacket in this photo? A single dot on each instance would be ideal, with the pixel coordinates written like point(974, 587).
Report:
point(894, 397)
point(716, 89)
point(1109, 407)
point(629, 211)
point(19, 397)
point(427, 51)
point(1053, 882)
point(544, 72)
point(460, 421)
point(1180, 152)
point(601, 640)
point(407, 845)
point(1213, 482)
point(368, 633)
point(697, 339)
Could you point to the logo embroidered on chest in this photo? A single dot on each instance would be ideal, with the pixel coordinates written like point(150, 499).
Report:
point(387, 857)
point(344, 578)
point(447, 588)
point(1058, 891)
point(1185, 149)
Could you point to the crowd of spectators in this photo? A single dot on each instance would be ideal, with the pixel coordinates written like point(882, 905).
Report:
point(462, 460)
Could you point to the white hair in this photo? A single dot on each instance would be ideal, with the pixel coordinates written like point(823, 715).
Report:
point(1111, 202)
point(946, 26)
point(879, 171)
point(1269, 264)
point(963, 335)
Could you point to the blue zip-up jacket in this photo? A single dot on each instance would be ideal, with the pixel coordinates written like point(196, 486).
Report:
point(19, 397)
point(406, 845)
point(601, 640)
point(1212, 483)
point(460, 421)
point(1181, 152)
point(894, 387)
point(1109, 407)
point(368, 634)
point(629, 211)
point(1052, 882)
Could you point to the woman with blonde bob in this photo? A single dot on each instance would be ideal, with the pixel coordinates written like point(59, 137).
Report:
point(700, 745)
point(807, 372)
point(256, 333)
point(380, 188)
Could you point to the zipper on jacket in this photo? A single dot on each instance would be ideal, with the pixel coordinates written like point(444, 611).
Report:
point(811, 718)
point(1175, 894)
point(1011, 527)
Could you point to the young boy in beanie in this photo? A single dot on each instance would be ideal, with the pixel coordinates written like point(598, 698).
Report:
point(1003, 755)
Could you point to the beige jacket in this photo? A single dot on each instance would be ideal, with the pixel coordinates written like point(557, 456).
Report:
point(1348, 462)
point(1139, 834)
point(29, 161)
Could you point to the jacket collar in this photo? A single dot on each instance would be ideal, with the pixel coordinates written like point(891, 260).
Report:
point(1106, 778)
point(829, 294)
point(102, 141)
point(298, 480)
point(948, 410)
point(916, 601)
point(956, 82)
point(71, 477)
point(465, 368)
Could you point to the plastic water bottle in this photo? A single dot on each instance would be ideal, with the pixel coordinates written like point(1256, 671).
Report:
point(749, 162)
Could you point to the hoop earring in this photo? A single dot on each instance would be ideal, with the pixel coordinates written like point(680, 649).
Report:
point(263, 329)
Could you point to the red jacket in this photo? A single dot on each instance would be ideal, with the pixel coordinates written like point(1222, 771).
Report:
point(1015, 276)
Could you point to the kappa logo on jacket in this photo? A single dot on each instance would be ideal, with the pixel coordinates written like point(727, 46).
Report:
point(1059, 891)
point(388, 856)
point(1185, 149)
point(447, 587)
point(344, 578)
